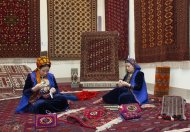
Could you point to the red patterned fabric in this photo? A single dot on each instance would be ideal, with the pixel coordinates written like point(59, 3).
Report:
point(92, 117)
point(162, 81)
point(85, 95)
point(12, 77)
point(19, 28)
point(99, 56)
point(117, 18)
point(161, 30)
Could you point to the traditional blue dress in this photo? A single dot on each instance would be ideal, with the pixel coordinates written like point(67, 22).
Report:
point(41, 106)
point(137, 93)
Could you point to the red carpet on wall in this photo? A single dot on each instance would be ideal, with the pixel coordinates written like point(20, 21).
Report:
point(117, 19)
point(99, 56)
point(161, 30)
point(9, 121)
point(19, 28)
point(67, 20)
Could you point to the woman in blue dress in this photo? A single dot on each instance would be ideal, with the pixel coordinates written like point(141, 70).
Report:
point(132, 89)
point(41, 94)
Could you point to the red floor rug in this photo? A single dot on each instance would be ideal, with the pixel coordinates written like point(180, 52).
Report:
point(91, 117)
point(9, 121)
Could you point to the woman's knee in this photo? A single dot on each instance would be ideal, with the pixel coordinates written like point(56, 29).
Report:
point(126, 98)
point(38, 107)
point(123, 99)
point(40, 102)
point(60, 97)
point(70, 97)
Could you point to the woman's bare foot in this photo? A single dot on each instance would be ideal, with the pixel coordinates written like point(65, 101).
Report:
point(98, 101)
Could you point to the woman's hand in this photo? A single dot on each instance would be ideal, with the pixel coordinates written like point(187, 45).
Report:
point(46, 96)
point(52, 90)
point(126, 84)
point(37, 87)
point(119, 83)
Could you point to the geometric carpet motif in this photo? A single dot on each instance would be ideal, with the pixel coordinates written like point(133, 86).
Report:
point(99, 56)
point(12, 77)
point(117, 18)
point(90, 117)
point(67, 20)
point(19, 28)
point(162, 81)
point(161, 30)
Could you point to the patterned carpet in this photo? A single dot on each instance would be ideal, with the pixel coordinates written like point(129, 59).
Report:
point(161, 30)
point(13, 75)
point(162, 79)
point(101, 64)
point(12, 79)
point(20, 28)
point(117, 19)
point(67, 20)
point(9, 121)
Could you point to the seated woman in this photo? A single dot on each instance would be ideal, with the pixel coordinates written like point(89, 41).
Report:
point(132, 89)
point(41, 94)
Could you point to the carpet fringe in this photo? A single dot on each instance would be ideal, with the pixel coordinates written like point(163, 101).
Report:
point(11, 98)
point(69, 111)
point(179, 130)
point(109, 124)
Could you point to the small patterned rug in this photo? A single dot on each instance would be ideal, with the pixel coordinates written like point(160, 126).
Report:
point(162, 81)
point(92, 117)
point(12, 80)
point(99, 59)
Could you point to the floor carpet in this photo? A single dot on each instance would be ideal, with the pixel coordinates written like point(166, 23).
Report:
point(9, 121)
